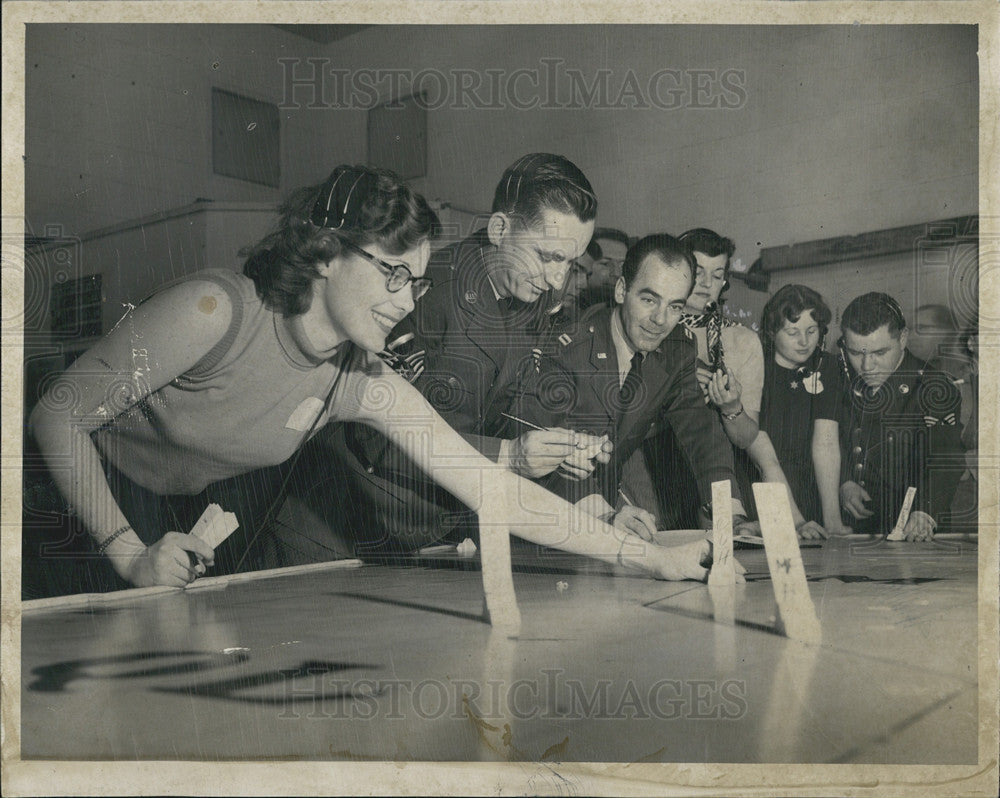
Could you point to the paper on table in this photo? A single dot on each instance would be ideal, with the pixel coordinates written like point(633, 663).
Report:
point(678, 537)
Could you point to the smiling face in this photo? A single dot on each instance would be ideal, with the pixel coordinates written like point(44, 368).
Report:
point(796, 341)
point(530, 260)
point(651, 307)
point(709, 278)
point(875, 356)
point(353, 298)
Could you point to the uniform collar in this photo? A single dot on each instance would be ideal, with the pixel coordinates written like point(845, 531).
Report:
point(622, 348)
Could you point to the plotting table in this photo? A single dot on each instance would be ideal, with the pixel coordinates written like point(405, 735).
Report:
point(393, 661)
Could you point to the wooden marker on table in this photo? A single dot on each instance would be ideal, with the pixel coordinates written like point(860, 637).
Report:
point(500, 600)
point(796, 611)
point(213, 527)
point(904, 516)
point(723, 564)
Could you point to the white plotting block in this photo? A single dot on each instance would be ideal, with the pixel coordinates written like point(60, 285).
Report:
point(215, 526)
point(904, 516)
point(723, 563)
point(796, 612)
point(500, 600)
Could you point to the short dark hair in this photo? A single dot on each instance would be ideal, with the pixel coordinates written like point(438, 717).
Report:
point(611, 234)
point(701, 239)
point(664, 246)
point(788, 304)
point(872, 311)
point(541, 180)
point(384, 210)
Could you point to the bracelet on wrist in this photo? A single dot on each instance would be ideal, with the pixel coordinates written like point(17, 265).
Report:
point(103, 547)
point(732, 416)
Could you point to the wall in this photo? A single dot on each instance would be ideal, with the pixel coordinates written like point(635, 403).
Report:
point(838, 130)
point(843, 130)
point(118, 119)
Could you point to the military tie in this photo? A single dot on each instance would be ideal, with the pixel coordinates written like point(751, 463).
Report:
point(632, 387)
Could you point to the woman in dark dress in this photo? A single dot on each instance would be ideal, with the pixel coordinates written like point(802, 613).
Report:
point(800, 402)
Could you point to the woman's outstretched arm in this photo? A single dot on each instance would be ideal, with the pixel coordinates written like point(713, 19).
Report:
point(531, 512)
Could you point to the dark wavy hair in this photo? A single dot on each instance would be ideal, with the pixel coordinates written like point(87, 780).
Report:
point(869, 312)
point(377, 207)
point(664, 246)
point(788, 304)
point(541, 180)
point(708, 242)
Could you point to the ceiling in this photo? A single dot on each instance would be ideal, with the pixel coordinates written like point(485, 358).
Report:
point(324, 34)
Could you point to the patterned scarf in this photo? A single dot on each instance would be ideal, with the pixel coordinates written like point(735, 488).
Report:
point(713, 321)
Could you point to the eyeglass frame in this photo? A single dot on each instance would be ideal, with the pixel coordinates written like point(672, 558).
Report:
point(418, 285)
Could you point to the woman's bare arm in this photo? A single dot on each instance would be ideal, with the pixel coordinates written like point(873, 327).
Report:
point(150, 346)
point(531, 512)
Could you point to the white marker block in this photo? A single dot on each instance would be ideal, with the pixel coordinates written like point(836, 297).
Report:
point(723, 564)
point(904, 516)
point(215, 526)
point(500, 600)
point(796, 612)
point(724, 629)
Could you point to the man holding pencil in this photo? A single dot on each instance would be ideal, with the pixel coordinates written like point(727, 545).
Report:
point(617, 370)
point(900, 428)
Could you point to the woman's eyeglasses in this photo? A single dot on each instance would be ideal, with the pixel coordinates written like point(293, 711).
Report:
point(396, 274)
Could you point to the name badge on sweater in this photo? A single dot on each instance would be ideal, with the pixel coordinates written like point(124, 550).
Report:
point(305, 414)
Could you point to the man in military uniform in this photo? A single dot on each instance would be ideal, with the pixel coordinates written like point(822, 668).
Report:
point(900, 427)
point(619, 369)
point(468, 346)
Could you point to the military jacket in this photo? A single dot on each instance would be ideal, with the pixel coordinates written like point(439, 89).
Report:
point(906, 432)
point(577, 386)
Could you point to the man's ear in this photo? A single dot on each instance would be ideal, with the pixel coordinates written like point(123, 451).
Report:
point(498, 227)
point(620, 290)
point(904, 335)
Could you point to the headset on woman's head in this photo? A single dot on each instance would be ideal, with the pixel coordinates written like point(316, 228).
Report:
point(341, 196)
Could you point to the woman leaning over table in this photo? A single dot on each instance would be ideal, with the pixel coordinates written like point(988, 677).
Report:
point(237, 371)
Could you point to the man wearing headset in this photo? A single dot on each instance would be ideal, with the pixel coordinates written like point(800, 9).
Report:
point(901, 426)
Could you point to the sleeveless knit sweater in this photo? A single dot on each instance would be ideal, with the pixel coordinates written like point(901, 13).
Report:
point(249, 403)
